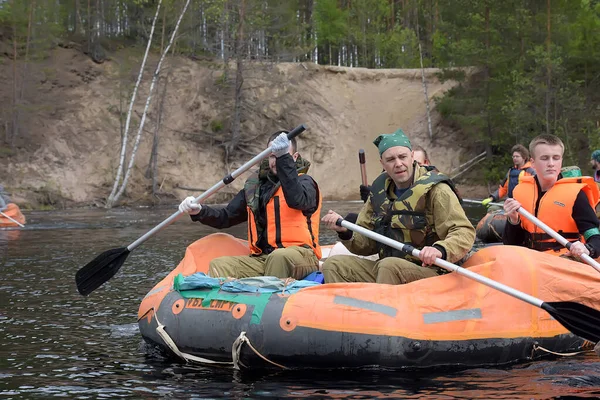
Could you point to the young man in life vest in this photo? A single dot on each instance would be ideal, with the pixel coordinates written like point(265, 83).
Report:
point(564, 204)
point(282, 206)
point(4, 199)
point(408, 203)
point(595, 162)
point(521, 168)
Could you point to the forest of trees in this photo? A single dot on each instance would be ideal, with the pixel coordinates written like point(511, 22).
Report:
point(536, 62)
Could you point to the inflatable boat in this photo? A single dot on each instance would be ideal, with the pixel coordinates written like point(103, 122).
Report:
point(444, 321)
point(11, 213)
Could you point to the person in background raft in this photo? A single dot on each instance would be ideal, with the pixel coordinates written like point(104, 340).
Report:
point(408, 203)
point(420, 156)
point(282, 206)
point(595, 161)
point(522, 167)
point(4, 199)
point(564, 204)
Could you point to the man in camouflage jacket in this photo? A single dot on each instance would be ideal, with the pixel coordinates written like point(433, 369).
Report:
point(409, 203)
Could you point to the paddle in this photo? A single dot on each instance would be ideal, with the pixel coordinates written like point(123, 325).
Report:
point(578, 318)
point(363, 169)
point(13, 220)
point(479, 202)
point(556, 236)
point(106, 265)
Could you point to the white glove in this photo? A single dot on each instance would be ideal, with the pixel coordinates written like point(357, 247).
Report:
point(280, 145)
point(190, 206)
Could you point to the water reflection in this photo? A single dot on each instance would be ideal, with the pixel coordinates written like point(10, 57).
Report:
point(55, 343)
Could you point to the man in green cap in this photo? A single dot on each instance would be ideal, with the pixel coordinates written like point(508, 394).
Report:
point(409, 203)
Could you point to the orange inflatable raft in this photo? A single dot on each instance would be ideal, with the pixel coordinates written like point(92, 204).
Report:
point(12, 210)
point(447, 320)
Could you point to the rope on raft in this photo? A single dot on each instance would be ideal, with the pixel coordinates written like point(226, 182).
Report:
point(237, 348)
point(160, 329)
point(536, 347)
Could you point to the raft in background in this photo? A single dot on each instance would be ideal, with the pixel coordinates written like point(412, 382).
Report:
point(12, 210)
point(448, 320)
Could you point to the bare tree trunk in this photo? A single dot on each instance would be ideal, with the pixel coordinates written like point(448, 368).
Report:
point(75, 23)
point(164, 25)
point(152, 171)
point(24, 70)
point(15, 105)
point(548, 69)
point(425, 93)
point(424, 82)
point(125, 135)
point(239, 82)
point(89, 27)
point(113, 199)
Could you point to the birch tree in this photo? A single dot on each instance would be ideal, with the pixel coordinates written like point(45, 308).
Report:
point(114, 198)
point(113, 194)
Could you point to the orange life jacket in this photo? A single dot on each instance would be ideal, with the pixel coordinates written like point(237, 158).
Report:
point(286, 226)
point(555, 210)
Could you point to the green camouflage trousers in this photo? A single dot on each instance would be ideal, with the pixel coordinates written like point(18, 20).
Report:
point(390, 270)
point(295, 262)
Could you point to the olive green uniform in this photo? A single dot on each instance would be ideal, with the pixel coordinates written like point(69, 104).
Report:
point(445, 226)
point(294, 261)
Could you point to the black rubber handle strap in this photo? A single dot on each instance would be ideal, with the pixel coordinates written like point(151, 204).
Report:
point(296, 131)
point(361, 156)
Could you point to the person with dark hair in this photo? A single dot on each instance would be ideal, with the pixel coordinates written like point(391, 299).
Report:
point(282, 206)
point(4, 199)
point(595, 161)
point(420, 155)
point(521, 168)
point(564, 204)
point(409, 203)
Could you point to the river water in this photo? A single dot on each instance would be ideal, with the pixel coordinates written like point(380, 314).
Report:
point(56, 343)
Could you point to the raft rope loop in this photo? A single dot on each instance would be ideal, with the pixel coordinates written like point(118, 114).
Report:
point(160, 329)
point(537, 347)
point(237, 348)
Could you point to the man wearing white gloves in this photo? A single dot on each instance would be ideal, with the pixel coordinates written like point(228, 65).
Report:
point(282, 206)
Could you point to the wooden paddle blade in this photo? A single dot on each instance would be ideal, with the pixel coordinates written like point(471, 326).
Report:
point(578, 318)
point(100, 270)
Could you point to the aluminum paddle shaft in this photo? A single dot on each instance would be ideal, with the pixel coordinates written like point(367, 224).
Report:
point(215, 188)
point(441, 263)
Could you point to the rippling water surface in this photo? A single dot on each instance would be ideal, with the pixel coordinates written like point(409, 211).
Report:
point(55, 343)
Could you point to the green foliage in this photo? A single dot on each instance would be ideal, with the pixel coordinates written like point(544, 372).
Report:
point(216, 125)
point(331, 22)
point(532, 69)
point(400, 49)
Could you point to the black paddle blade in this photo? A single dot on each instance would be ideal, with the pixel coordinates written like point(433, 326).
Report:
point(100, 270)
point(578, 318)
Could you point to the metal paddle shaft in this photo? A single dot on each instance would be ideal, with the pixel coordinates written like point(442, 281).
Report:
point(13, 220)
point(105, 266)
point(479, 202)
point(578, 318)
point(363, 168)
point(556, 236)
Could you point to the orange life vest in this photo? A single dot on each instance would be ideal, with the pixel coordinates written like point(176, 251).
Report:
point(555, 210)
point(286, 226)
